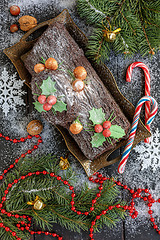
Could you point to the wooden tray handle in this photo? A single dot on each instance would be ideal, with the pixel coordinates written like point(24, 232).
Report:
point(39, 26)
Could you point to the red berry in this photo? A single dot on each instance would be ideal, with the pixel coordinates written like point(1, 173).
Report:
point(90, 178)
point(51, 100)
point(52, 174)
point(104, 212)
point(106, 133)
point(72, 202)
point(73, 195)
point(47, 107)
point(78, 212)
point(107, 124)
point(155, 226)
point(42, 99)
point(98, 128)
point(66, 182)
point(14, 28)
point(14, 10)
point(152, 219)
point(146, 190)
point(118, 206)
point(98, 194)
point(139, 190)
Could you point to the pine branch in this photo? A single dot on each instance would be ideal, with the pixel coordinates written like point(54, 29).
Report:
point(56, 198)
point(139, 21)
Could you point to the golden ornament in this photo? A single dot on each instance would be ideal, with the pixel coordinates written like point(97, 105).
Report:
point(110, 35)
point(64, 163)
point(37, 203)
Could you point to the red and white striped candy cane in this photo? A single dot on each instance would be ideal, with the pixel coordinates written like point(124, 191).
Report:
point(132, 134)
point(147, 88)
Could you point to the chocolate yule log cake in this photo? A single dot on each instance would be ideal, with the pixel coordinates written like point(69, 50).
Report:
point(68, 92)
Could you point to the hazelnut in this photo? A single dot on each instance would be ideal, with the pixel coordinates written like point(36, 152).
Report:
point(35, 127)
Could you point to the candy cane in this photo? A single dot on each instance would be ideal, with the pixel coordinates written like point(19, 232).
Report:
point(136, 117)
point(147, 88)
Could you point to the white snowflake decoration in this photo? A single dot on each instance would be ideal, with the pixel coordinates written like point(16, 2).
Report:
point(149, 153)
point(10, 92)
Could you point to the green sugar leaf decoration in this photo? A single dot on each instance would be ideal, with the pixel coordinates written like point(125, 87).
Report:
point(60, 106)
point(48, 87)
point(116, 132)
point(97, 140)
point(97, 116)
point(39, 107)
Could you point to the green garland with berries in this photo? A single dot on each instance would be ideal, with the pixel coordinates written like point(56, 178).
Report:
point(55, 198)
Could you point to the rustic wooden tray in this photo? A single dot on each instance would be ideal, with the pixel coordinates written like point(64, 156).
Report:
point(15, 54)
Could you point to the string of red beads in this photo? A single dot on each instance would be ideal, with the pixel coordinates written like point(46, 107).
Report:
point(24, 154)
point(144, 194)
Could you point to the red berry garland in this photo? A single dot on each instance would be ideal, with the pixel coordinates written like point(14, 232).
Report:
point(97, 178)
